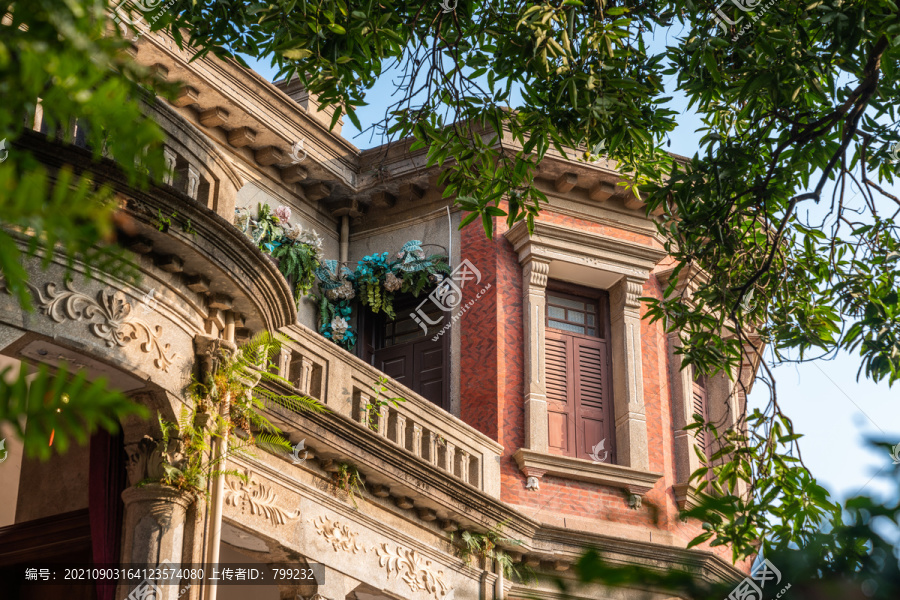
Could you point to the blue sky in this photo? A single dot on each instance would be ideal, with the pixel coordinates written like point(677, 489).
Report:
point(835, 412)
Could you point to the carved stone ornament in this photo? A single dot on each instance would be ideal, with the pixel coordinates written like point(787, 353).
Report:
point(533, 484)
point(417, 572)
point(110, 317)
point(258, 497)
point(339, 536)
point(211, 352)
point(146, 458)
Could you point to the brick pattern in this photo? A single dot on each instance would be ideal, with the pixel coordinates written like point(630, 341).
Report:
point(592, 227)
point(492, 385)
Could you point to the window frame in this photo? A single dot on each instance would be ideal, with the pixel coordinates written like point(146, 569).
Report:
point(371, 339)
point(600, 298)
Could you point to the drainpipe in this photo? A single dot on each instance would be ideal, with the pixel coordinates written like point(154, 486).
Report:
point(345, 238)
point(218, 487)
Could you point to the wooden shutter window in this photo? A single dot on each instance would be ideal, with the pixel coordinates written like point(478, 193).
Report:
point(591, 395)
point(577, 378)
point(559, 362)
point(700, 404)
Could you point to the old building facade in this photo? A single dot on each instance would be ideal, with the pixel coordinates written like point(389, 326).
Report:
point(538, 400)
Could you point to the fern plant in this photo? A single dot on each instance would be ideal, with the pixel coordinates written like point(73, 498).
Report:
point(486, 546)
point(236, 376)
point(184, 447)
point(348, 479)
point(61, 406)
point(298, 262)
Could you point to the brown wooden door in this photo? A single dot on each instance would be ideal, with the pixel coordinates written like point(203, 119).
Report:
point(411, 356)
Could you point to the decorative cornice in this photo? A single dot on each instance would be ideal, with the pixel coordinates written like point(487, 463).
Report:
point(557, 242)
point(633, 481)
point(217, 250)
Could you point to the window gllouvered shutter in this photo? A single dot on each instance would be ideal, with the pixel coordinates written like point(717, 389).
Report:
point(560, 393)
point(701, 407)
point(592, 393)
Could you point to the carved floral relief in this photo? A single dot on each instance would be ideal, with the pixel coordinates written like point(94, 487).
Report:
point(259, 498)
point(110, 317)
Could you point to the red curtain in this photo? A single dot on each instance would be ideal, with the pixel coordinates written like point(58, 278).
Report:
point(107, 481)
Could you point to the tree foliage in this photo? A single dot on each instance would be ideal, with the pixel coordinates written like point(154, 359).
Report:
point(51, 410)
point(58, 60)
point(797, 105)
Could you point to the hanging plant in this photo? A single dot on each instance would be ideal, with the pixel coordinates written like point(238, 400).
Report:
point(370, 276)
point(334, 316)
point(374, 281)
point(418, 270)
point(298, 261)
point(297, 250)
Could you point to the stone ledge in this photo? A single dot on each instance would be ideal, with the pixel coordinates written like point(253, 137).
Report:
point(686, 496)
point(538, 464)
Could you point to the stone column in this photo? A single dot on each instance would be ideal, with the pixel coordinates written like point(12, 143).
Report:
point(304, 382)
point(534, 277)
point(284, 362)
point(193, 181)
point(628, 383)
point(154, 532)
point(171, 158)
point(686, 460)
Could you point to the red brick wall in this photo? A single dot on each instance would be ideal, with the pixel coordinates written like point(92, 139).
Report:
point(492, 390)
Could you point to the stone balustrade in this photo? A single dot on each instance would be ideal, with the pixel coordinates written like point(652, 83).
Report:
point(348, 386)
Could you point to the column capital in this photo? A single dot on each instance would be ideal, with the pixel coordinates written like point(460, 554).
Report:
point(626, 293)
point(535, 271)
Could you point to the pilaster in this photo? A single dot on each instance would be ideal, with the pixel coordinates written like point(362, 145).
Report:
point(535, 273)
point(628, 378)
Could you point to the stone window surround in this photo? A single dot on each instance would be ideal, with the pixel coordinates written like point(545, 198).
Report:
point(601, 262)
point(725, 398)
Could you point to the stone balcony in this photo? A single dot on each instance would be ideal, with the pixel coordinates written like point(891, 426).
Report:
point(412, 452)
